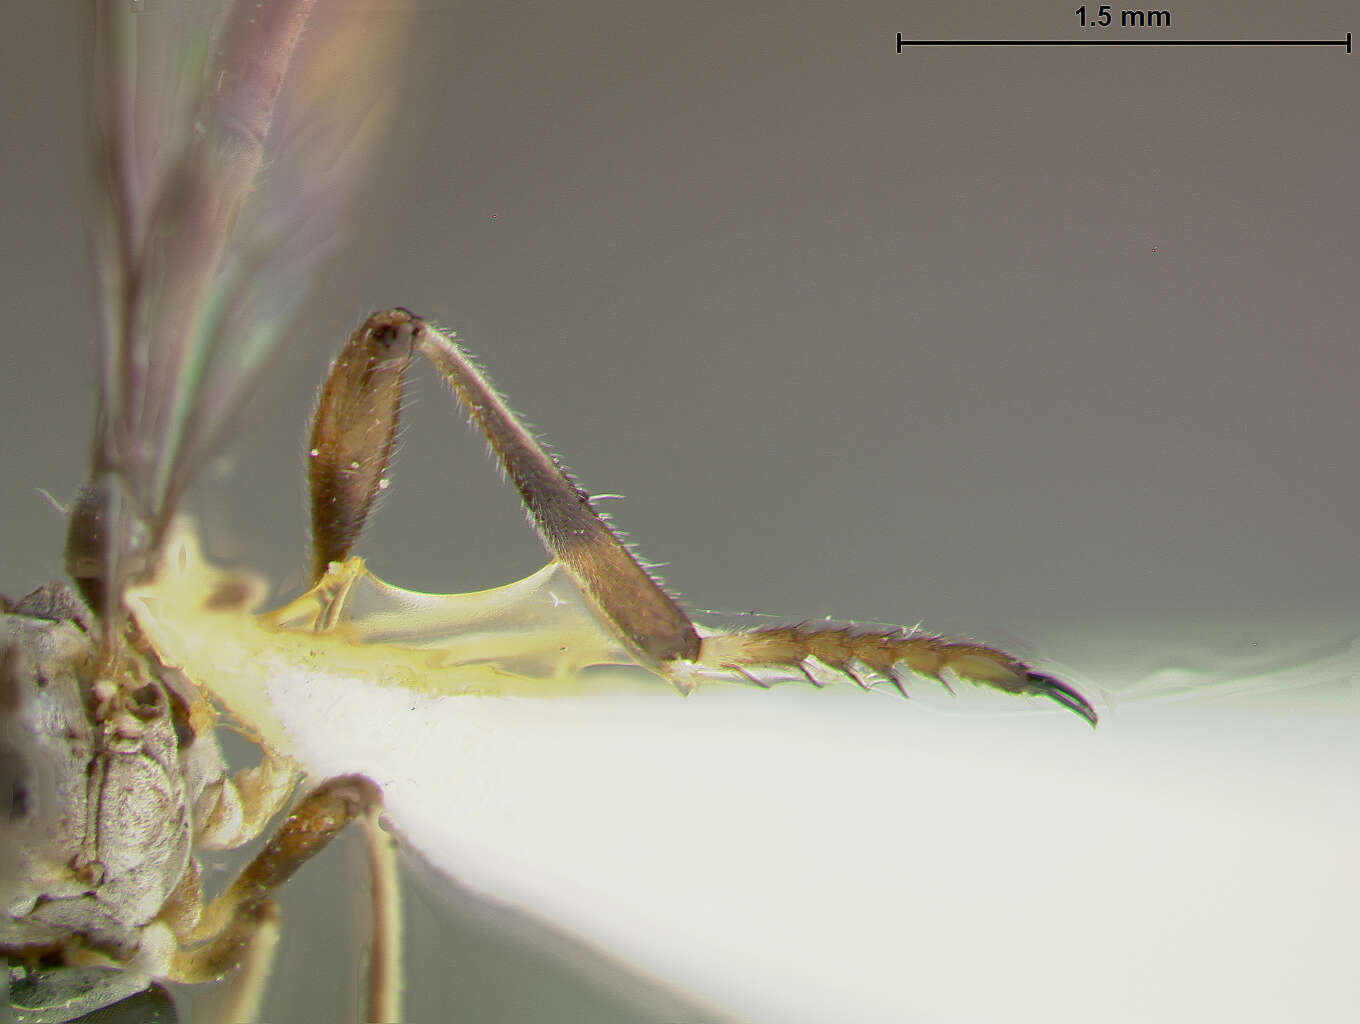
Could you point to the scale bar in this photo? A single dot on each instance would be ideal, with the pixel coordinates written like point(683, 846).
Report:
point(904, 43)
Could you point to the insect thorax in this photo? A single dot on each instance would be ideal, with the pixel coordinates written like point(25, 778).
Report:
point(100, 780)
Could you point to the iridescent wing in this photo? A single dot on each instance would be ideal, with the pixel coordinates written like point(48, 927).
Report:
point(220, 157)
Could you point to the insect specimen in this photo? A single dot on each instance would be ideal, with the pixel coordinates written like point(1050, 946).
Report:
point(109, 687)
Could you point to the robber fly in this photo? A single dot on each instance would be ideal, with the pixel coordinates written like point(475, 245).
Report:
point(113, 683)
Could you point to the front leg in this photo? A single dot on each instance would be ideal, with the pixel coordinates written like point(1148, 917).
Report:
point(648, 623)
point(654, 627)
point(352, 443)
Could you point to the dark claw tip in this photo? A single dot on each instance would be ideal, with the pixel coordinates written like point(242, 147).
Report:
point(1047, 686)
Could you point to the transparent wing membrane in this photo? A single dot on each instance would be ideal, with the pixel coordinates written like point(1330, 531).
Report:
point(220, 164)
point(222, 135)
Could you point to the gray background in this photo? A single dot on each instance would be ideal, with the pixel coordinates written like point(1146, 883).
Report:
point(1035, 344)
